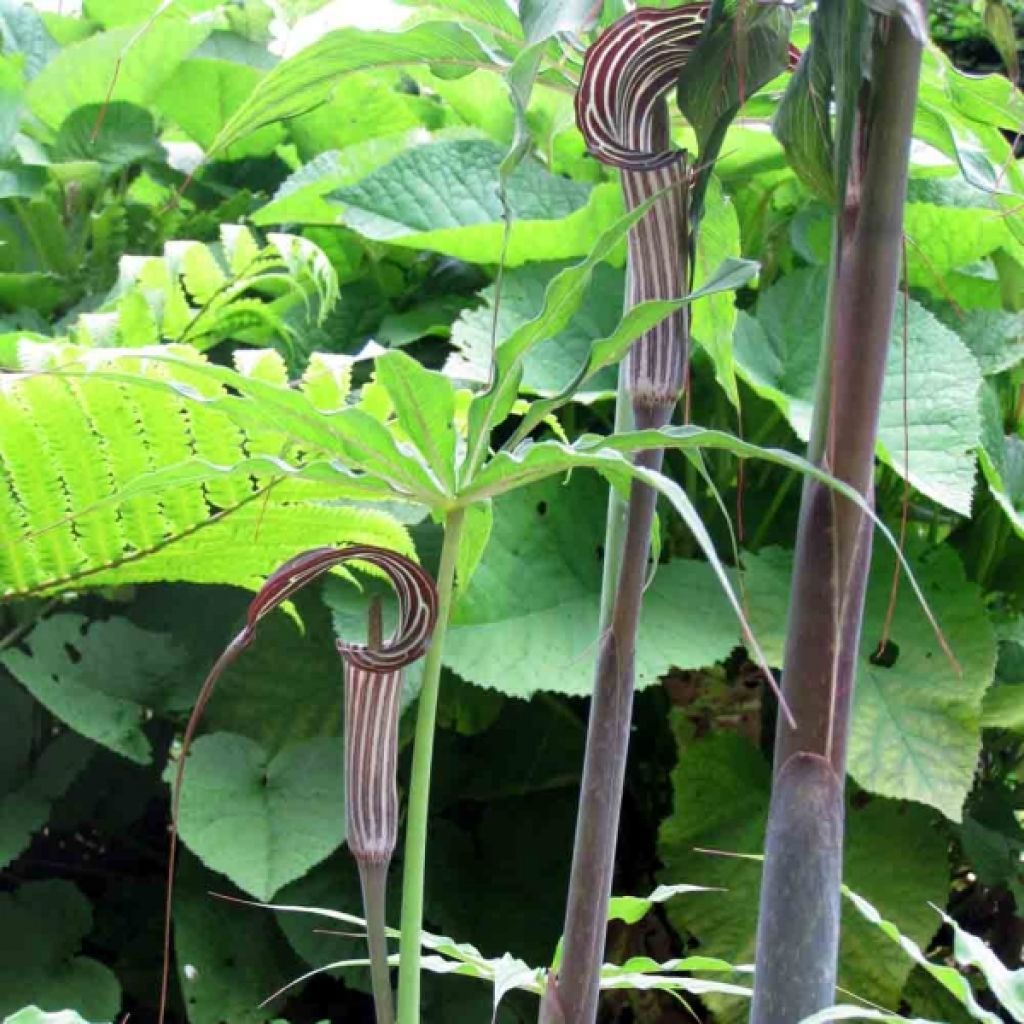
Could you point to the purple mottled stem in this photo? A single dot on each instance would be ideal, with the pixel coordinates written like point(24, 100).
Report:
point(797, 945)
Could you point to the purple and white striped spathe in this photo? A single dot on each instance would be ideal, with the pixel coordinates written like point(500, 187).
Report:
point(371, 758)
point(626, 73)
point(416, 591)
point(622, 113)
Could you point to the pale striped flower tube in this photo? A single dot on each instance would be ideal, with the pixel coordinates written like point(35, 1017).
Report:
point(371, 758)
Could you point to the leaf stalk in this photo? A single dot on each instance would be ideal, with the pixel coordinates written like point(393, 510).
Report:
point(414, 864)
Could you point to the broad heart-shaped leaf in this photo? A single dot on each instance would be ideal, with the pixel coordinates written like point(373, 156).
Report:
point(916, 725)
point(99, 678)
point(721, 789)
point(541, 633)
point(305, 80)
point(82, 73)
point(127, 135)
point(554, 362)
point(262, 821)
point(995, 337)
point(777, 353)
point(424, 404)
point(44, 924)
point(444, 197)
point(230, 958)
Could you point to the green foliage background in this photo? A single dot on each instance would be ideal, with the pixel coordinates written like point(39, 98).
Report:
point(171, 186)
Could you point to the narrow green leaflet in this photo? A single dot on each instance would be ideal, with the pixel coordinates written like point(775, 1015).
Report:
point(916, 724)
point(562, 299)
point(553, 363)
point(307, 79)
point(608, 351)
point(99, 678)
point(44, 967)
point(260, 820)
point(444, 197)
point(424, 404)
point(777, 353)
point(948, 977)
point(550, 626)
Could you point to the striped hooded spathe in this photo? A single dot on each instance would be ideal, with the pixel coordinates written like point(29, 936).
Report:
point(622, 113)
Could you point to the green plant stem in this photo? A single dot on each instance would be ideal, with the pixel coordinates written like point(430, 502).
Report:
point(798, 924)
point(604, 765)
point(415, 862)
point(374, 880)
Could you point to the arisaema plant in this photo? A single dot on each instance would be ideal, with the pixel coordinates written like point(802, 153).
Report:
point(373, 680)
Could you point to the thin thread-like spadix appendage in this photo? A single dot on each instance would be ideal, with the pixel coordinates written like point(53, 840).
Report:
point(371, 757)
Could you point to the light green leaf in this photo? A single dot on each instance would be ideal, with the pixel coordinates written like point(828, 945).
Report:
point(1006, 985)
point(302, 82)
point(82, 73)
point(444, 197)
point(43, 967)
point(99, 678)
point(916, 725)
point(542, 635)
point(205, 94)
point(714, 318)
point(777, 353)
point(262, 821)
point(367, 111)
point(722, 789)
